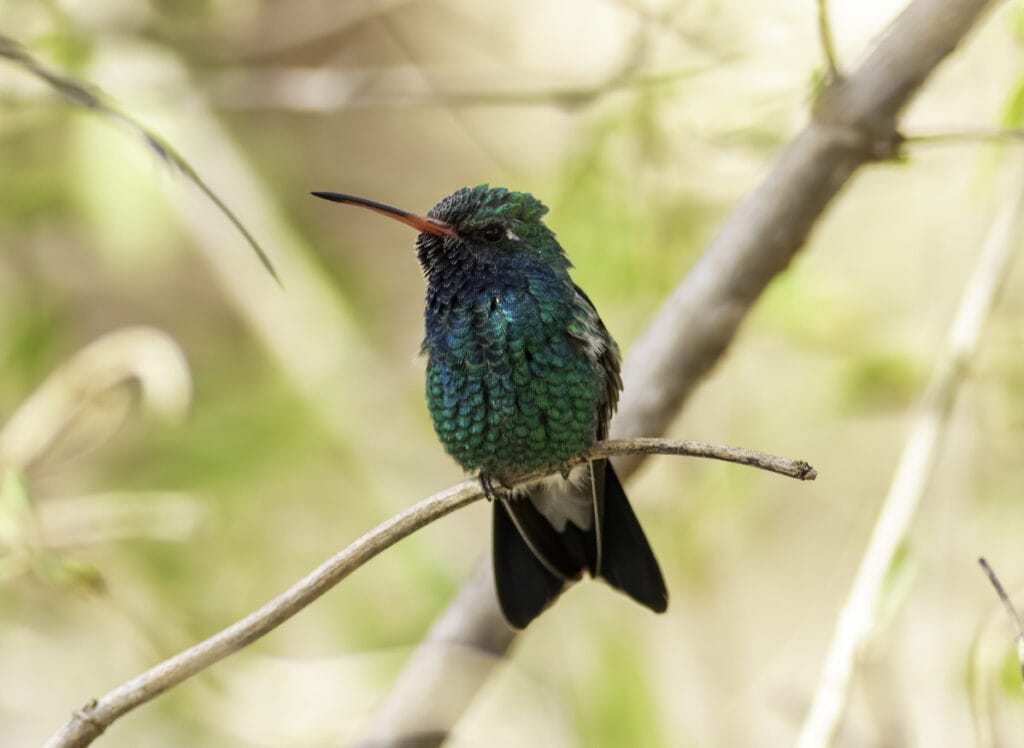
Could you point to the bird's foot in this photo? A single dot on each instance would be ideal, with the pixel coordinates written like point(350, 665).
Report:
point(565, 469)
point(487, 486)
point(490, 491)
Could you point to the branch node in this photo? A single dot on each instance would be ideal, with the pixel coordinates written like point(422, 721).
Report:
point(875, 139)
point(85, 715)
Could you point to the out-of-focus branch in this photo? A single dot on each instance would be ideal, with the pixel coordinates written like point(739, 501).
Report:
point(326, 90)
point(291, 326)
point(913, 472)
point(966, 135)
point(144, 356)
point(1011, 611)
point(89, 722)
point(288, 26)
point(83, 95)
point(854, 124)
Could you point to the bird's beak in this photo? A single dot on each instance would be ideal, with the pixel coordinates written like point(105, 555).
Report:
point(421, 223)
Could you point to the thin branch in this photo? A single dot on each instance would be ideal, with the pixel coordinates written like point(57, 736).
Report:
point(91, 720)
point(696, 325)
point(854, 121)
point(87, 97)
point(916, 465)
point(647, 446)
point(828, 49)
point(1011, 611)
point(322, 90)
point(966, 135)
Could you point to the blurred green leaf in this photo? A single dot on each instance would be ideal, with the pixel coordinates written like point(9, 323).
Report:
point(85, 95)
point(70, 574)
point(119, 198)
point(620, 710)
point(30, 341)
point(1013, 109)
point(15, 509)
point(1011, 679)
point(899, 579)
point(881, 381)
point(66, 47)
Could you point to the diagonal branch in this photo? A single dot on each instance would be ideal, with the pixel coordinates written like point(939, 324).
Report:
point(90, 721)
point(83, 95)
point(854, 124)
point(858, 616)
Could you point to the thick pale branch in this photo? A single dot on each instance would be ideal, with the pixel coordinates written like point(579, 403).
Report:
point(854, 124)
point(90, 721)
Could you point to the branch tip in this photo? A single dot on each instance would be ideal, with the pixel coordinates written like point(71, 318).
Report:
point(1011, 611)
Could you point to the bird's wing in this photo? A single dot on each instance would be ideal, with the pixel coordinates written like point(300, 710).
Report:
point(593, 337)
point(590, 334)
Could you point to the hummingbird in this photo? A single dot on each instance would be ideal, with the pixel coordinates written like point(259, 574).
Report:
point(522, 375)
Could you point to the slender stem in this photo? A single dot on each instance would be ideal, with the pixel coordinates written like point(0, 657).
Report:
point(827, 45)
point(966, 135)
point(91, 720)
point(910, 481)
point(1011, 611)
point(83, 95)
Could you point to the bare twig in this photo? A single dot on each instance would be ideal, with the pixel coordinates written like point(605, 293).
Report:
point(698, 322)
point(91, 720)
point(646, 446)
point(917, 461)
point(87, 97)
point(966, 135)
point(828, 49)
point(1011, 611)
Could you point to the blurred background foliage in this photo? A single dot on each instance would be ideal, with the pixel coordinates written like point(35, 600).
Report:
point(227, 435)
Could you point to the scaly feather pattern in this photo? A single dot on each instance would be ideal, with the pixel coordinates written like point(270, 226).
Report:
point(522, 375)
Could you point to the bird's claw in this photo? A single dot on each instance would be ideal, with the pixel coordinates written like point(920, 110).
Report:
point(487, 486)
point(491, 492)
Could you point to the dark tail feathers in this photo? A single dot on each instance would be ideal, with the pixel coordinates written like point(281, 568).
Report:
point(533, 562)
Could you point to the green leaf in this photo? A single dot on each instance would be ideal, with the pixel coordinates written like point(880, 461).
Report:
point(882, 380)
point(1013, 110)
point(15, 509)
point(899, 579)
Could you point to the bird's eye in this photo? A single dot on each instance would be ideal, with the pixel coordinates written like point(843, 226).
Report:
point(493, 233)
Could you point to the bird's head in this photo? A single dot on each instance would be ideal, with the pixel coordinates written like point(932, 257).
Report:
point(475, 227)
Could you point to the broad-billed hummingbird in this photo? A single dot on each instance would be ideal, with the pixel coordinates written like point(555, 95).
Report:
point(522, 375)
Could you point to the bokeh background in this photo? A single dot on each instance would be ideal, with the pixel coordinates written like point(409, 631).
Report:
point(274, 425)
